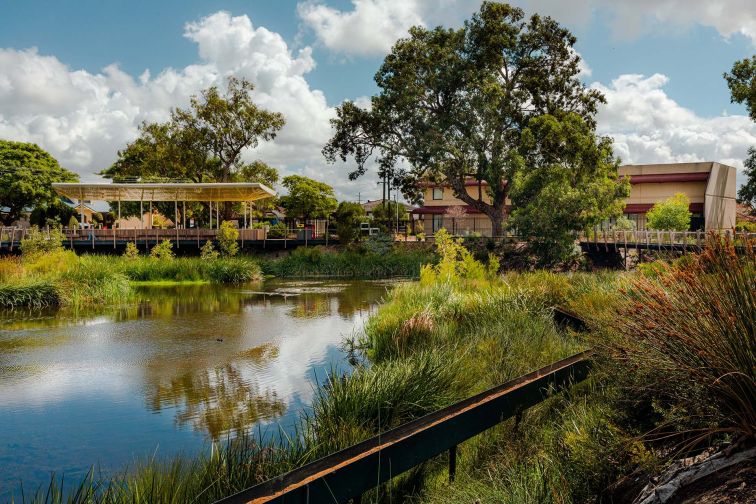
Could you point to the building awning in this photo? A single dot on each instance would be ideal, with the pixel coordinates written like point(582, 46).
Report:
point(220, 191)
point(657, 178)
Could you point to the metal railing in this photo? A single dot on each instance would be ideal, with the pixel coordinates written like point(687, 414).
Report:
point(682, 240)
point(347, 474)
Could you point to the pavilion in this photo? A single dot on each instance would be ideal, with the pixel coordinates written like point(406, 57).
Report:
point(211, 193)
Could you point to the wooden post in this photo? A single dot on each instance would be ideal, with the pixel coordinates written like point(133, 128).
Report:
point(624, 235)
point(452, 463)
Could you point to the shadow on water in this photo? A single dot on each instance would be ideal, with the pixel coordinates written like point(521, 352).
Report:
point(173, 367)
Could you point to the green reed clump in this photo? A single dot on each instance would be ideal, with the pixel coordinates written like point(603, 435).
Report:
point(192, 269)
point(348, 409)
point(233, 270)
point(32, 294)
point(315, 262)
point(221, 471)
point(685, 339)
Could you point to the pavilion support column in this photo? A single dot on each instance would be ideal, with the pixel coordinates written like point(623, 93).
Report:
point(217, 215)
point(245, 215)
point(150, 214)
point(141, 214)
point(119, 212)
point(81, 212)
point(183, 214)
point(175, 220)
point(211, 215)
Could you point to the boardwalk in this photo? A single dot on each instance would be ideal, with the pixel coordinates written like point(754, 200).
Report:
point(679, 241)
point(191, 239)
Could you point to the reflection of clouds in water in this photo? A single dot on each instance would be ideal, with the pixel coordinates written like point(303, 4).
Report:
point(164, 350)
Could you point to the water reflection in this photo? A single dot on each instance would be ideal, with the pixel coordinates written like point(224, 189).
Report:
point(172, 367)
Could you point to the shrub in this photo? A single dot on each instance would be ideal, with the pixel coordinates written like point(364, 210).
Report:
point(624, 224)
point(228, 237)
point(73, 223)
point(686, 340)
point(348, 217)
point(131, 252)
point(208, 252)
point(673, 214)
point(378, 244)
point(37, 241)
point(163, 251)
point(277, 230)
point(234, 271)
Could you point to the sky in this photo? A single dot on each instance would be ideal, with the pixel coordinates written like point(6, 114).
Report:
point(78, 77)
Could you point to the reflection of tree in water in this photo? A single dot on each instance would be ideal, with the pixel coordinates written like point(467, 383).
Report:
point(218, 400)
point(311, 306)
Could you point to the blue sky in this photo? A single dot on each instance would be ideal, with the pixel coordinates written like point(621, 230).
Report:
point(660, 64)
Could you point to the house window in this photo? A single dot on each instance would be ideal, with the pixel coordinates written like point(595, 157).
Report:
point(438, 222)
point(438, 193)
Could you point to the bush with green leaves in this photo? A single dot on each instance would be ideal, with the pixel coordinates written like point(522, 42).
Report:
point(277, 230)
point(163, 251)
point(208, 252)
point(348, 217)
point(73, 222)
point(39, 241)
point(379, 244)
point(228, 237)
point(672, 214)
point(624, 224)
point(131, 252)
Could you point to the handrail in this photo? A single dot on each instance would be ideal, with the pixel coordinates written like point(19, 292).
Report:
point(348, 473)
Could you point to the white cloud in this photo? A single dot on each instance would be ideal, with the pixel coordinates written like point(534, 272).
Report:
point(370, 29)
point(372, 26)
point(649, 127)
point(631, 18)
point(83, 118)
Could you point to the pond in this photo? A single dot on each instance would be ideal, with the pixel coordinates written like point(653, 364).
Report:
point(167, 372)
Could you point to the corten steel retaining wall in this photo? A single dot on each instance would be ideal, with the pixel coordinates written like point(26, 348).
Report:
point(347, 474)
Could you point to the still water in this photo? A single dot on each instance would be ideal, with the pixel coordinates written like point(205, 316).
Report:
point(167, 372)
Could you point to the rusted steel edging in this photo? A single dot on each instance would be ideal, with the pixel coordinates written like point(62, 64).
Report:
point(348, 473)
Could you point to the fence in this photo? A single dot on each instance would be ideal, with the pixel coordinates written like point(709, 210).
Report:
point(657, 239)
point(347, 474)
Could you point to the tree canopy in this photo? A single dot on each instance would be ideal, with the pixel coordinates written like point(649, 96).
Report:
point(307, 198)
point(203, 143)
point(26, 175)
point(672, 214)
point(460, 104)
point(742, 83)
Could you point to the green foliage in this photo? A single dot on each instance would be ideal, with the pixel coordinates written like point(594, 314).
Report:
point(747, 192)
point(378, 244)
point(39, 241)
point(746, 226)
point(624, 224)
point(163, 251)
point(742, 83)
point(384, 216)
point(673, 214)
point(277, 230)
point(556, 196)
point(73, 222)
point(204, 142)
point(227, 239)
point(313, 262)
point(458, 103)
point(685, 339)
point(456, 263)
point(26, 175)
point(131, 252)
point(348, 217)
point(208, 252)
point(307, 198)
point(30, 294)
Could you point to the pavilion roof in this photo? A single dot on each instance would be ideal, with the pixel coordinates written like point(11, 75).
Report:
point(152, 191)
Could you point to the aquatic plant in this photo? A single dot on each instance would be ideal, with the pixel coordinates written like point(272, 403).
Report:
point(33, 294)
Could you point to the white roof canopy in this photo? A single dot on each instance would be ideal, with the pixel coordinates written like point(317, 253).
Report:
point(220, 191)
